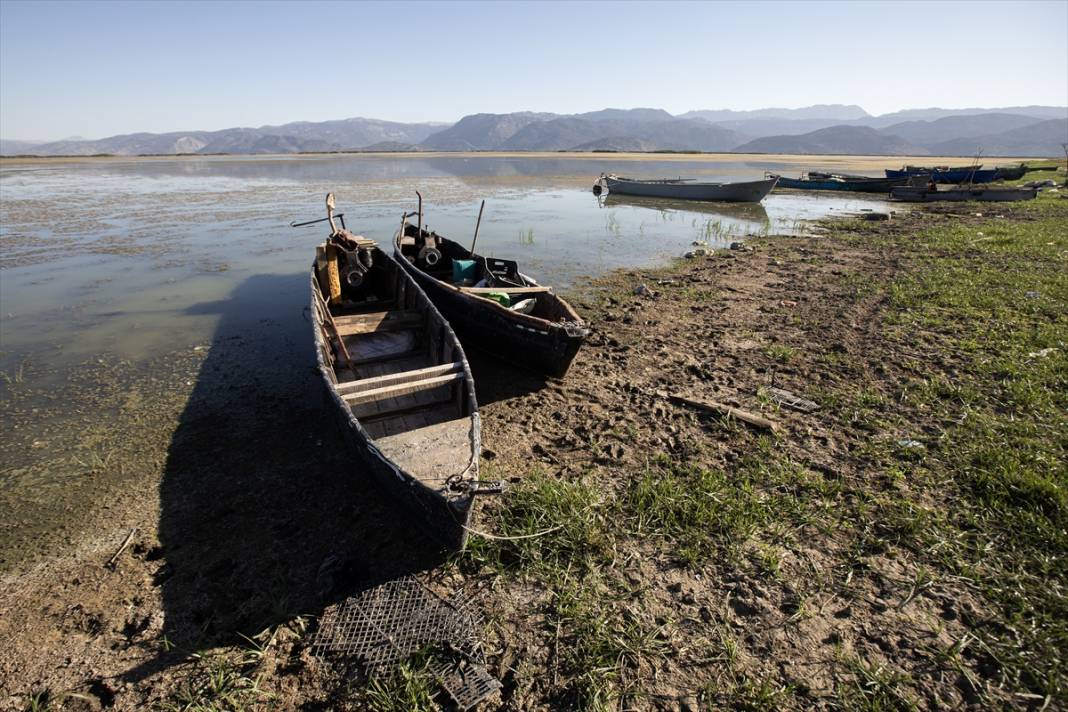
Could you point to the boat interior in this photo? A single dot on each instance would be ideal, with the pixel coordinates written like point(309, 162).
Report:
point(488, 278)
point(395, 364)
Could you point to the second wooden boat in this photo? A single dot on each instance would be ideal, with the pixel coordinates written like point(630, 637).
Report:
point(493, 306)
point(926, 195)
point(398, 382)
point(839, 183)
point(687, 189)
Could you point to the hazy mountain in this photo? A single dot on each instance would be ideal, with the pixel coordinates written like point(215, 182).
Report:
point(1039, 112)
point(1041, 139)
point(626, 115)
point(958, 127)
point(356, 132)
point(300, 136)
point(10, 147)
point(842, 112)
point(830, 128)
point(482, 132)
point(755, 128)
point(860, 140)
point(673, 134)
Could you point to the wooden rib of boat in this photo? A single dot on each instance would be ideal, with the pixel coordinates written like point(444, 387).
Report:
point(544, 339)
point(839, 183)
point(925, 195)
point(398, 381)
point(688, 189)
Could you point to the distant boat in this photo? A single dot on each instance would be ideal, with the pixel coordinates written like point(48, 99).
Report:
point(832, 182)
point(925, 195)
point(1011, 172)
point(689, 189)
point(969, 174)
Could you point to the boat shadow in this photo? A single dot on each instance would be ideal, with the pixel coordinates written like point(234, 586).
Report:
point(497, 380)
point(258, 489)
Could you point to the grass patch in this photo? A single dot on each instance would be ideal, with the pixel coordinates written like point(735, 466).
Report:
point(550, 527)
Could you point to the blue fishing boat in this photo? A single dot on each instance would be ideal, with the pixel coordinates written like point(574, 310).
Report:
point(857, 184)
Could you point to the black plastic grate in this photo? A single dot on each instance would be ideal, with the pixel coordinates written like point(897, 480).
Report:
point(466, 683)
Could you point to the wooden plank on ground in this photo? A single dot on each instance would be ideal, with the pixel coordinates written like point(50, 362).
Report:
point(723, 409)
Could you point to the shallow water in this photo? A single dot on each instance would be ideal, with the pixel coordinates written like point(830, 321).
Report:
point(134, 261)
point(116, 256)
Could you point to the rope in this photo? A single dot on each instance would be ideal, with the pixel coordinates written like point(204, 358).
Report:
point(510, 538)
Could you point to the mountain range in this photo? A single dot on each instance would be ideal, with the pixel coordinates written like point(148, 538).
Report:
point(825, 128)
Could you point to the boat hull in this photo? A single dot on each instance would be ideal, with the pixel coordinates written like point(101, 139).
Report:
point(548, 350)
point(872, 185)
point(953, 175)
point(444, 515)
point(544, 346)
point(921, 195)
point(749, 192)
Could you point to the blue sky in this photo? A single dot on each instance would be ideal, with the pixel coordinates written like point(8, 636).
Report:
point(96, 69)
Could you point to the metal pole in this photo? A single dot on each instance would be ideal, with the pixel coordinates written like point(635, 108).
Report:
point(477, 223)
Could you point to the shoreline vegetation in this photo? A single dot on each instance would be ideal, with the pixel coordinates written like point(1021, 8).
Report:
point(901, 547)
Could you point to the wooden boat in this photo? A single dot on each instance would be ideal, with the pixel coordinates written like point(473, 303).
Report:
point(1011, 172)
point(398, 381)
point(689, 189)
point(970, 174)
point(853, 185)
point(925, 195)
point(508, 314)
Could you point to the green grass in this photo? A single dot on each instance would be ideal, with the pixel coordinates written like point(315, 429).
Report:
point(964, 474)
point(992, 296)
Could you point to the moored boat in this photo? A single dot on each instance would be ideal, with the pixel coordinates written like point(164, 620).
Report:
point(970, 174)
point(398, 382)
point(838, 183)
point(689, 189)
point(926, 195)
point(1011, 172)
point(490, 304)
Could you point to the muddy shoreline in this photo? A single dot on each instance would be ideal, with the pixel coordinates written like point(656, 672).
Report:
point(252, 493)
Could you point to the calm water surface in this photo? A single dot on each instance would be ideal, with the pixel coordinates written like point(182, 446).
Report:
point(126, 257)
point(135, 262)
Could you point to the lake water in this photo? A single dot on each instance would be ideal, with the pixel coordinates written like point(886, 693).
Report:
point(115, 274)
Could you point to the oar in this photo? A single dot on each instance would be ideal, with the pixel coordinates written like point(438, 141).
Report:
point(477, 223)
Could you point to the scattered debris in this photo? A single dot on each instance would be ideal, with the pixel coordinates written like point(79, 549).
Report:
point(643, 291)
point(122, 547)
point(911, 444)
point(756, 421)
point(1041, 353)
point(1032, 295)
point(874, 216)
point(790, 400)
point(699, 252)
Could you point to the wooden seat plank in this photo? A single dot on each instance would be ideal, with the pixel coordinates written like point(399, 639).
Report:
point(378, 381)
point(424, 384)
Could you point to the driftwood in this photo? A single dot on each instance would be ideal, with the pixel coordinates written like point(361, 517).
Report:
point(122, 547)
point(757, 421)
